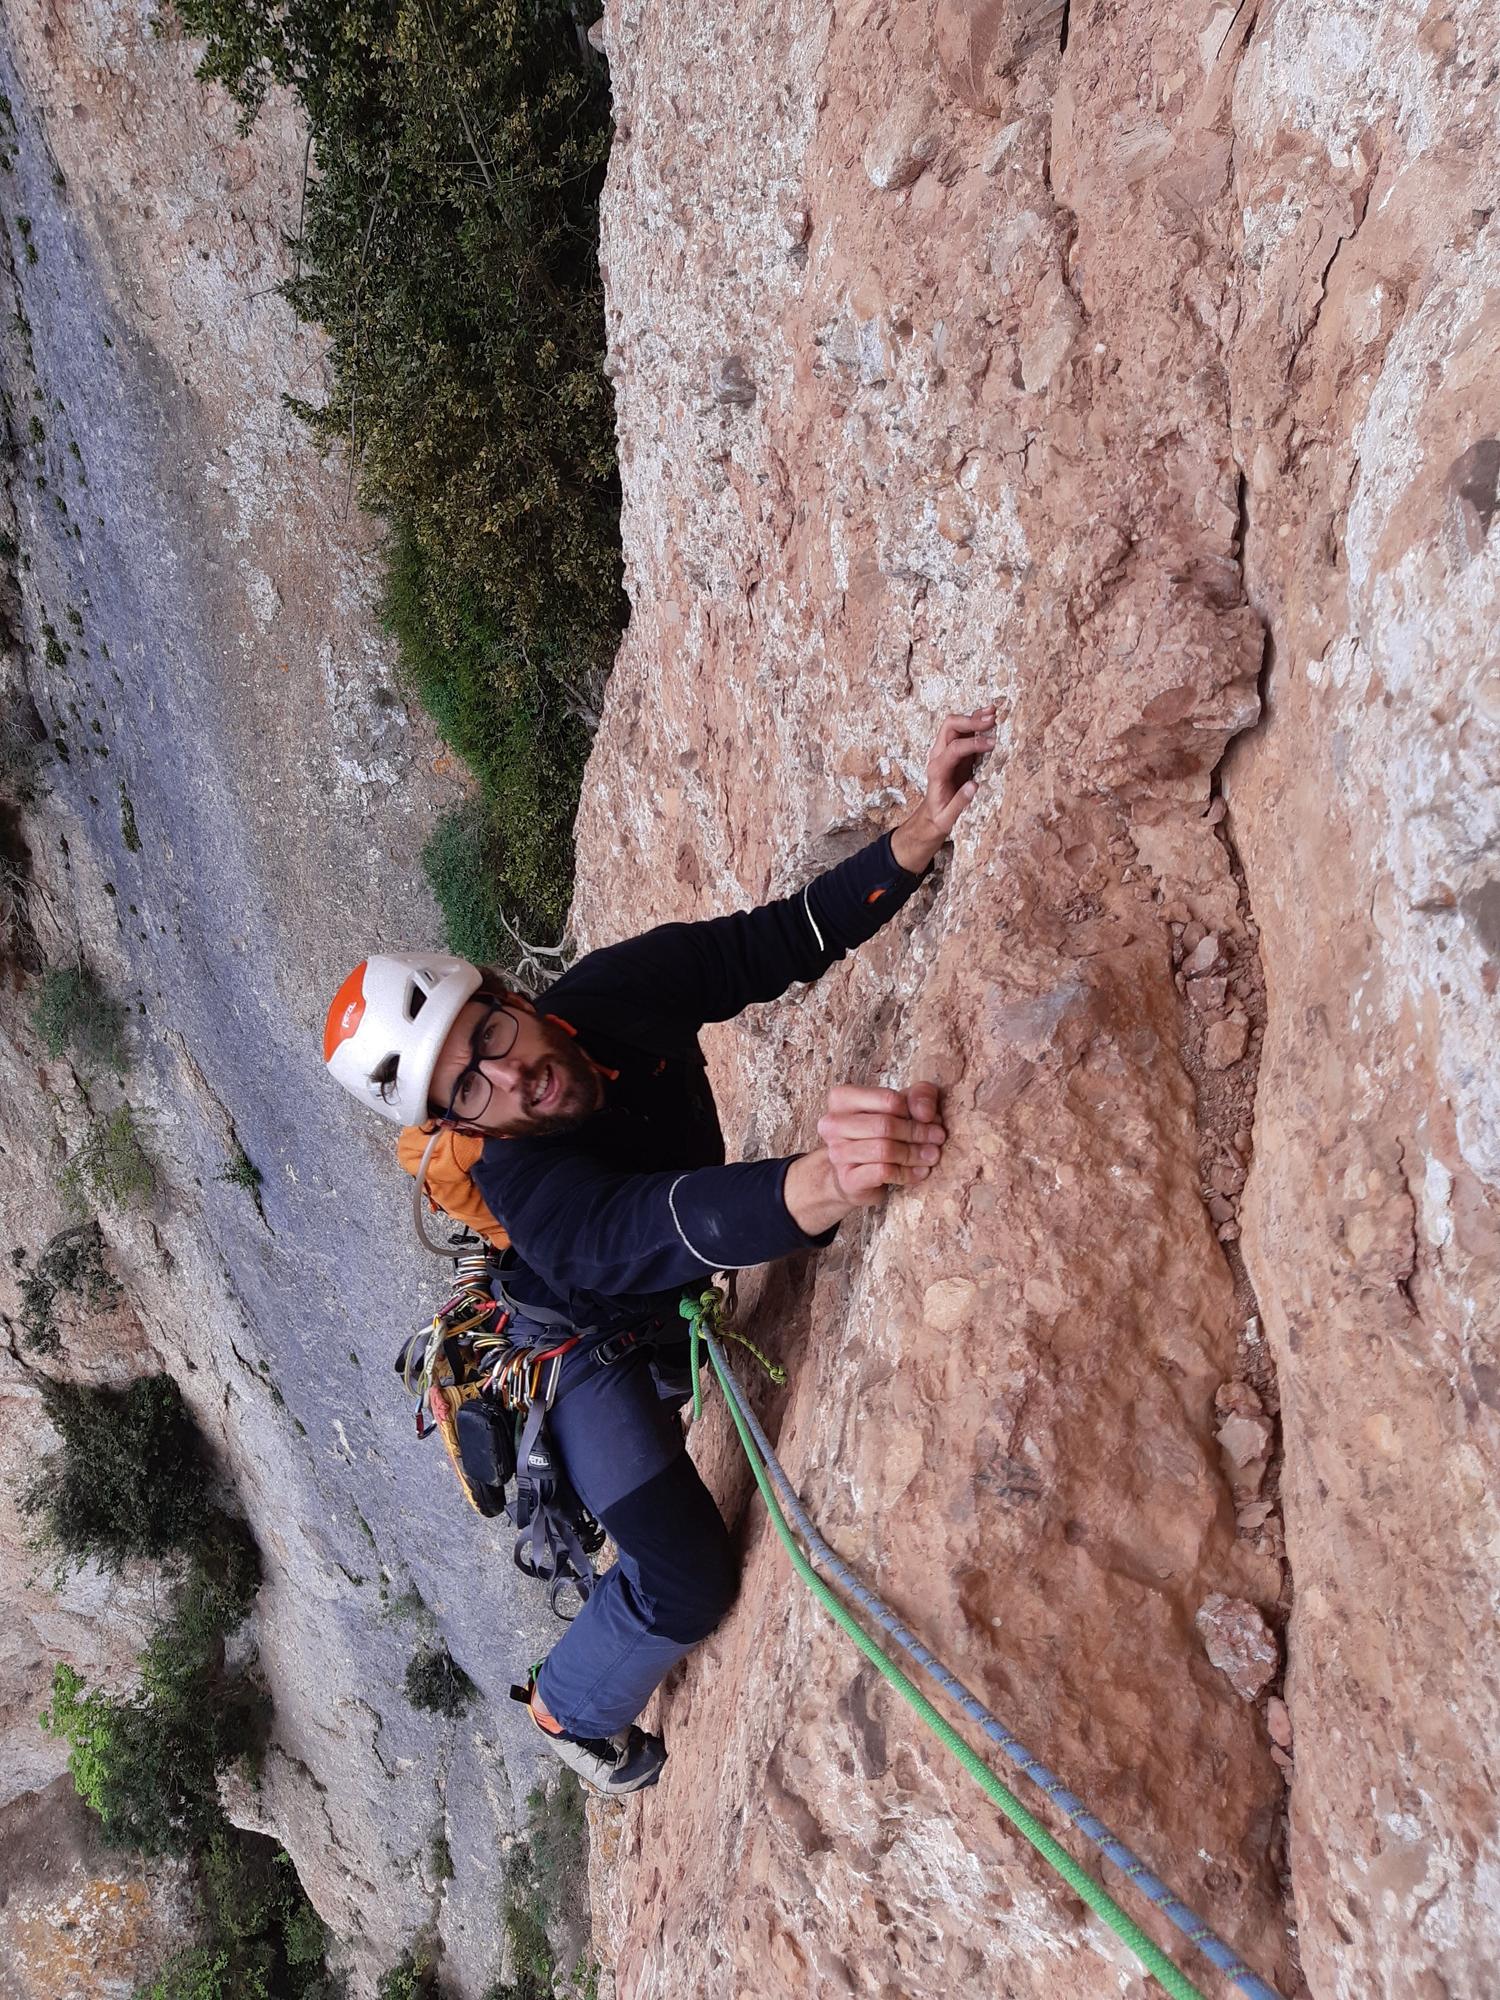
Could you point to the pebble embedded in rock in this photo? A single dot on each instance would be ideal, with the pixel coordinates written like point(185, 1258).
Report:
point(1245, 1439)
point(907, 142)
point(1226, 1177)
point(1224, 1042)
point(1279, 1721)
point(1239, 1396)
point(948, 1304)
point(732, 383)
point(1238, 1642)
point(1203, 957)
point(1246, 1444)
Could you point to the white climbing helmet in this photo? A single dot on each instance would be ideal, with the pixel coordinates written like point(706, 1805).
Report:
point(399, 1004)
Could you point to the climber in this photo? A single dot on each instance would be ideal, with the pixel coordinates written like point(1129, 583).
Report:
point(603, 1157)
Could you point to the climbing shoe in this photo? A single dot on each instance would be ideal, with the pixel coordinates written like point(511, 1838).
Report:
point(610, 1765)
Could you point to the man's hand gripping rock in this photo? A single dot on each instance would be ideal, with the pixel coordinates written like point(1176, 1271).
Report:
point(875, 1139)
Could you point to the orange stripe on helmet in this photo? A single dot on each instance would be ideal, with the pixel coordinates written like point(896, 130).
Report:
point(346, 1012)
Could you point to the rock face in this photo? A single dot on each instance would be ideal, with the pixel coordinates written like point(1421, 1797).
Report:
point(81, 1920)
point(1129, 368)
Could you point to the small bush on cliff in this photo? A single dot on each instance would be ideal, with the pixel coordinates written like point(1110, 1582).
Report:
point(127, 1479)
point(112, 1167)
point(412, 1977)
point(522, 726)
point(70, 1266)
point(242, 1172)
point(449, 251)
point(435, 1680)
point(75, 1015)
point(130, 1480)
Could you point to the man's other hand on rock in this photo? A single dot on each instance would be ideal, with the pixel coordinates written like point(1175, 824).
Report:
point(874, 1139)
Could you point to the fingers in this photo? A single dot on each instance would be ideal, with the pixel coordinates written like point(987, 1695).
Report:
point(866, 1097)
point(878, 1151)
point(861, 1127)
point(923, 1100)
point(878, 1138)
point(867, 1184)
point(955, 758)
point(980, 723)
point(919, 1102)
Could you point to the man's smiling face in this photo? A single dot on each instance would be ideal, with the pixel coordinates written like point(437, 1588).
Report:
point(542, 1085)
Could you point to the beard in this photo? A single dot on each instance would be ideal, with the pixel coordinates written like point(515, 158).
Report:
point(571, 1087)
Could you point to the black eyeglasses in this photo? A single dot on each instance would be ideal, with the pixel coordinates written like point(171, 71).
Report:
point(493, 1039)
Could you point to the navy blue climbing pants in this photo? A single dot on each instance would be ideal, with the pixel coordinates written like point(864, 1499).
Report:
point(621, 1445)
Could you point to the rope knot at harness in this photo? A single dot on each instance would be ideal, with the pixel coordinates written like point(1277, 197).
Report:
point(709, 1307)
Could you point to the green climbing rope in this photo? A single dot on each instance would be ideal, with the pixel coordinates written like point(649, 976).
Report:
point(1099, 1900)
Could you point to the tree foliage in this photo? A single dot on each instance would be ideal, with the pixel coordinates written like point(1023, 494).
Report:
point(127, 1478)
point(448, 249)
point(265, 1941)
point(146, 1761)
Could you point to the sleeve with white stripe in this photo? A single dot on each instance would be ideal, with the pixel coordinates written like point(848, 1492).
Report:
point(585, 1228)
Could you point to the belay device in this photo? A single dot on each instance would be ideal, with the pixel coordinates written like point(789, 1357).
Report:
point(488, 1401)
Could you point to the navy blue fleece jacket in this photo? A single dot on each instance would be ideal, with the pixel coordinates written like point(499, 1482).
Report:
point(637, 1202)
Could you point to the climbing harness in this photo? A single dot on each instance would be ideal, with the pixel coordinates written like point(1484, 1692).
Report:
point(705, 1314)
point(488, 1399)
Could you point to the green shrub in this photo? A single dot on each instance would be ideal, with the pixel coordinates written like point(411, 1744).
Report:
point(435, 1680)
point(546, 1879)
point(449, 251)
point(412, 1977)
point(200, 1973)
point(265, 1939)
point(112, 1165)
point(242, 1172)
point(74, 1014)
point(71, 1265)
point(127, 1479)
point(144, 1765)
point(508, 851)
point(557, 1844)
point(146, 1762)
